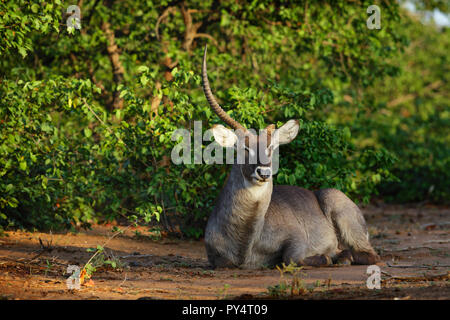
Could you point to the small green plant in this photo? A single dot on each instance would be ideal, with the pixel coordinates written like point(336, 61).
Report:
point(48, 267)
point(317, 284)
point(155, 233)
point(222, 293)
point(102, 258)
point(116, 229)
point(294, 287)
point(165, 279)
point(210, 273)
point(278, 290)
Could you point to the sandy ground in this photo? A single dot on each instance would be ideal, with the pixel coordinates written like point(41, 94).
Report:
point(413, 243)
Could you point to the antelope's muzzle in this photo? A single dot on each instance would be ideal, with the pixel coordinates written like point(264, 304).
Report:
point(264, 172)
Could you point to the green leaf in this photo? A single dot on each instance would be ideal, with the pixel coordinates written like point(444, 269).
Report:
point(144, 80)
point(22, 51)
point(87, 132)
point(292, 179)
point(142, 69)
point(23, 165)
point(34, 8)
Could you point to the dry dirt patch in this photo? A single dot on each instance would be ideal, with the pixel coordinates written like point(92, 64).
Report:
point(413, 243)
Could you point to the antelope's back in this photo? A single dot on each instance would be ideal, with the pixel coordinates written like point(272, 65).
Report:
point(297, 211)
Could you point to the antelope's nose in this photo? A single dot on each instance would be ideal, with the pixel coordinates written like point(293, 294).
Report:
point(264, 172)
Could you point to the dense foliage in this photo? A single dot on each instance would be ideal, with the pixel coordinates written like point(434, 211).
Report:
point(410, 117)
point(87, 115)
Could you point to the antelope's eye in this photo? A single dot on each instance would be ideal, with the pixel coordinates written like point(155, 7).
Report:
point(250, 151)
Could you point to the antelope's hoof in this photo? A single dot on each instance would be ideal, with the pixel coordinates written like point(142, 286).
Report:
point(366, 258)
point(344, 258)
point(319, 260)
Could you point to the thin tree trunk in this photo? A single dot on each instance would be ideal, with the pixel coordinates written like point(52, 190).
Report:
point(114, 57)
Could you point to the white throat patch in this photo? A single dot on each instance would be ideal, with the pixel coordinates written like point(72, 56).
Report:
point(257, 190)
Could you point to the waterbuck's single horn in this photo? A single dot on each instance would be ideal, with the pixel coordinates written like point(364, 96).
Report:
point(213, 102)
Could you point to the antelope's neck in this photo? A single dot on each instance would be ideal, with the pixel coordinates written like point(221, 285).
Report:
point(243, 212)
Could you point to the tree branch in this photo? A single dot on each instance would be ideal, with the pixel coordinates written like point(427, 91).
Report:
point(205, 35)
point(411, 96)
point(165, 14)
point(114, 57)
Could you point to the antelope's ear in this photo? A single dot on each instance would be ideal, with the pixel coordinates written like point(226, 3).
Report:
point(286, 133)
point(225, 137)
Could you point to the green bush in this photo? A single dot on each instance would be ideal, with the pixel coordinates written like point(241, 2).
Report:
point(86, 128)
point(409, 115)
point(120, 165)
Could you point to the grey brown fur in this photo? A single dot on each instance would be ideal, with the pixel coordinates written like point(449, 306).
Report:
point(283, 224)
point(255, 224)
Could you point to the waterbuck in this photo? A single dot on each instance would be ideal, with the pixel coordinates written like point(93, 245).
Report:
point(256, 224)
